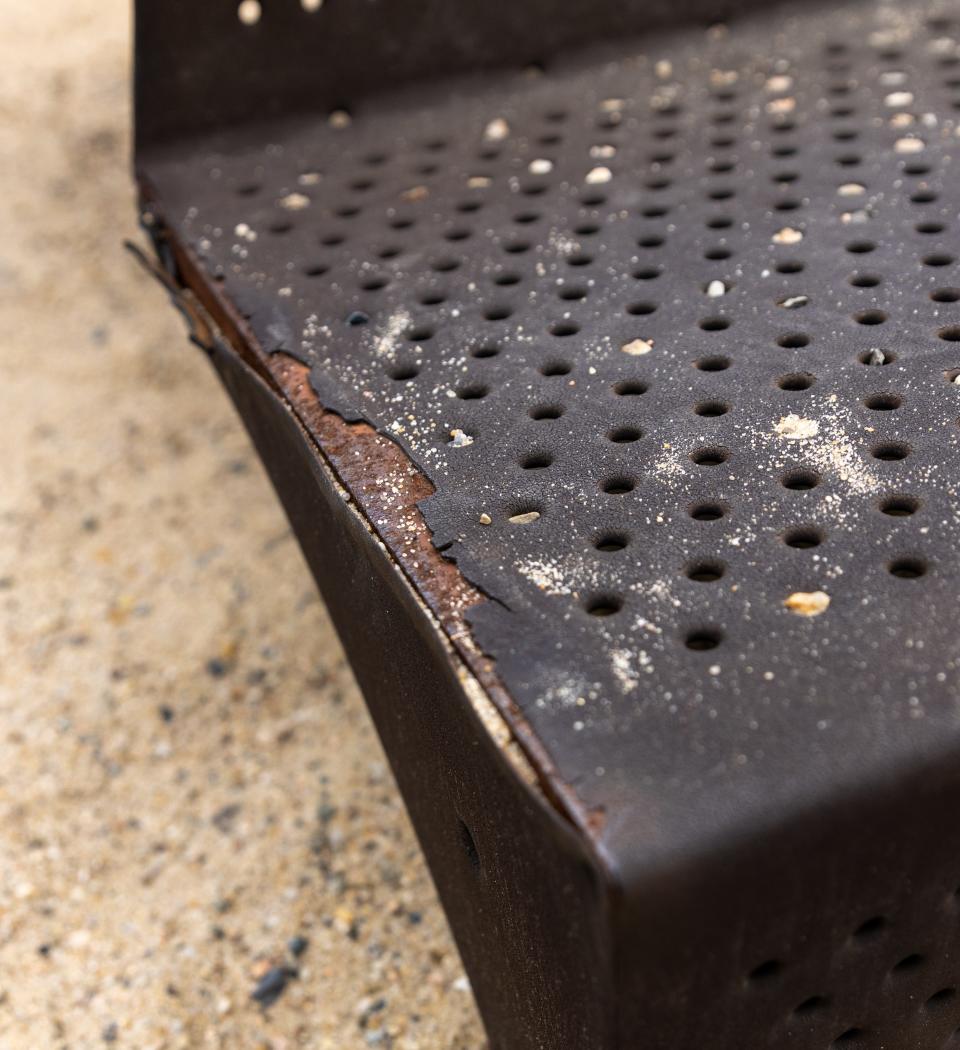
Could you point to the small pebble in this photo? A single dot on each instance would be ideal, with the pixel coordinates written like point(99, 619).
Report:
point(297, 946)
point(272, 985)
point(217, 668)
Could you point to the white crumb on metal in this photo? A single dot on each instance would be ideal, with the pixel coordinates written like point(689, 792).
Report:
point(497, 130)
point(294, 201)
point(715, 289)
point(788, 235)
point(909, 144)
point(526, 518)
point(340, 119)
point(459, 439)
point(599, 175)
point(541, 166)
point(781, 105)
point(637, 347)
point(807, 603)
point(778, 84)
point(244, 232)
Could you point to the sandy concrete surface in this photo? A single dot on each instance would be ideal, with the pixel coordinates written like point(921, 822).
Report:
point(188, 778)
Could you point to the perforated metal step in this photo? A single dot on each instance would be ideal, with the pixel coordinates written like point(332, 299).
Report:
point(673, 328)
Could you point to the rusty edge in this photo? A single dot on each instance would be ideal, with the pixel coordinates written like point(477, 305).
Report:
point(385, 488)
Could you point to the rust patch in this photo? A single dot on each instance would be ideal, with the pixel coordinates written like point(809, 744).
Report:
point(386, 487)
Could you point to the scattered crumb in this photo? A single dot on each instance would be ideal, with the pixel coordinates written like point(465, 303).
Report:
point(793, 302)
point(909, 144)
point(479, 182)
point(637, 347)
point(896, 99)
point(851, 189)
point(485, 519)
point(340, 119)
point(541, 166)
point(796, 428)
point(415, 193)
point(526, 518)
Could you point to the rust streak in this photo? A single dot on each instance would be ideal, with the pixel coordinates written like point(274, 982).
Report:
point(387, 488)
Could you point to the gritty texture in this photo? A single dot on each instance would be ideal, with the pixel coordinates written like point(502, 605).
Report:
point(200, 843)
point(693, 459)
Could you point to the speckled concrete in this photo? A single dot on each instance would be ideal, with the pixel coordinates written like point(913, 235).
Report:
point(185, 785)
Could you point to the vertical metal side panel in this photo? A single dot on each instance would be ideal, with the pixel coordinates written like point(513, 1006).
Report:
point(200, 67)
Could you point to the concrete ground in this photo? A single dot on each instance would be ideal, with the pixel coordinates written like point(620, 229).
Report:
point(188, 778)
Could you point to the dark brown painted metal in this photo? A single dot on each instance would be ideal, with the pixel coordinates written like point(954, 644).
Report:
point(717, 863)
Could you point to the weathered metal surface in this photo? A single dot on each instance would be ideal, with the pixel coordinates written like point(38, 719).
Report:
point(665, 334)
